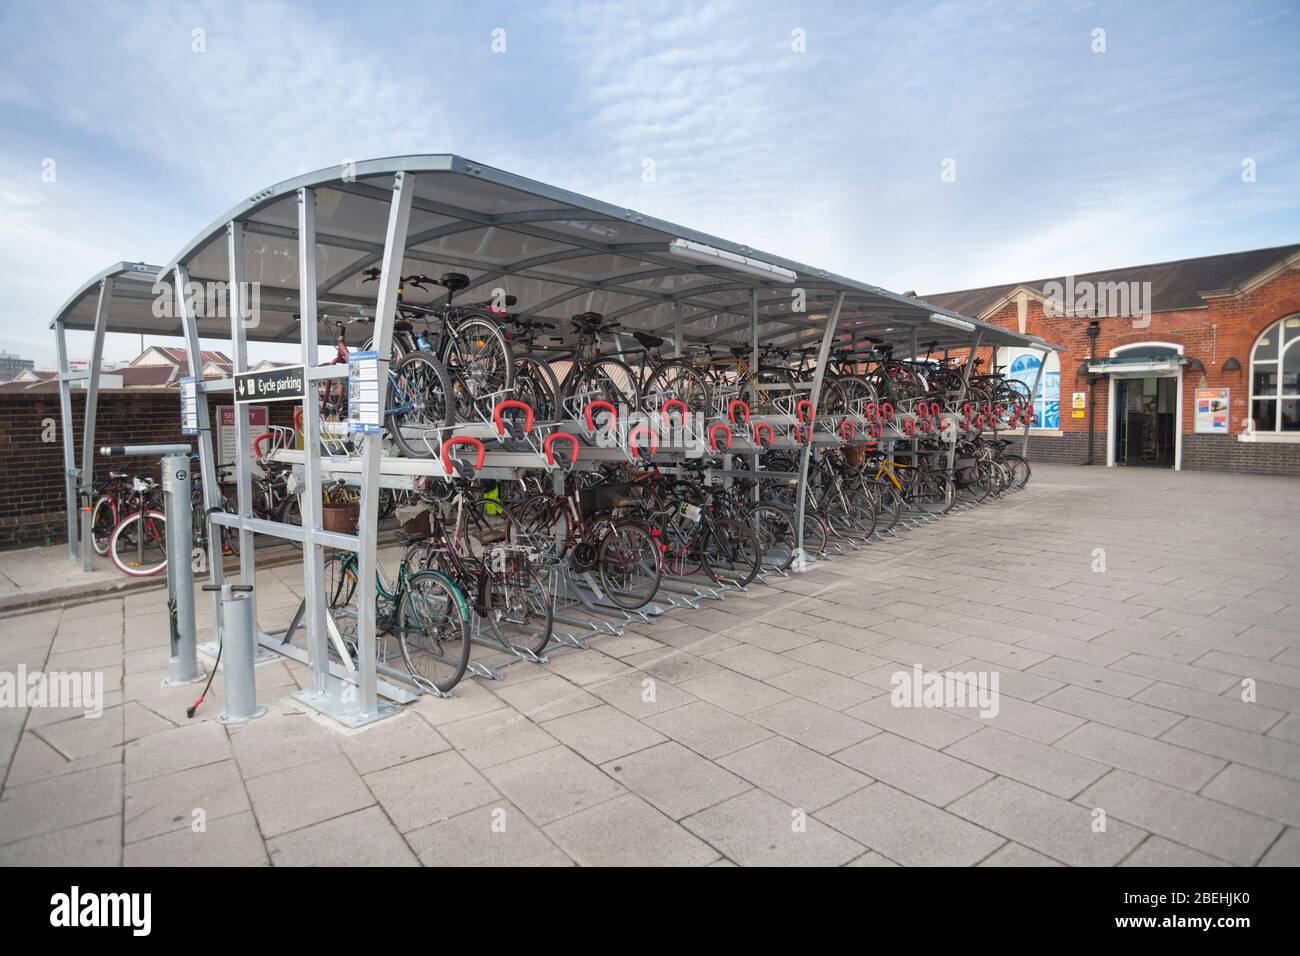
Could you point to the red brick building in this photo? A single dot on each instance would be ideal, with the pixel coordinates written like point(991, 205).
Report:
point(1187, 364)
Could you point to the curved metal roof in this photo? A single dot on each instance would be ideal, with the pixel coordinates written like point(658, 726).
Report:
point(558, 252)
point(131, 303)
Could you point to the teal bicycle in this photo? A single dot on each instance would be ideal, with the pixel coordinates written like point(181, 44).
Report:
point(423, 609)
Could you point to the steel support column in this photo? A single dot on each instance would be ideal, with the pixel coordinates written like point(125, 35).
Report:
point(399, 218)
point(207, 463)
point(961, 396)
point(313, 555)
point(243, 455)
point(92, 409)
point(755, 492)
point(70, 474)
point(801, 562)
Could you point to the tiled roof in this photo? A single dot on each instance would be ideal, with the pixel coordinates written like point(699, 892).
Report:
point(1174, 285)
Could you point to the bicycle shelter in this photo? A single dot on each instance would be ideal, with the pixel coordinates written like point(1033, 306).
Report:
point(305, 244)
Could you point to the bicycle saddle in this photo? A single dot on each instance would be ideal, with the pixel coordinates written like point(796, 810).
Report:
point(648, 340)
point(588, 320)
point(739, 350)
point(453, 281)
point(408, 537)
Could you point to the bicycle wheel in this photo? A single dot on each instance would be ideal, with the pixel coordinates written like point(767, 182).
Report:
point(520, 608)
point(938, 493)
point(103, 519)
point(731, 552)
point(679, 380)
point(420, 399)
point(481, 358)
point(607, 380)
point(340, 581)
point(891, 505)
point(291, 513)
point(433, 624)
point(544, 522)
point(815, 534)
point(537, 387)
point(138, 545)
point(1018, 470)
point(773, 528)
point(865, 509)
point(628, 559)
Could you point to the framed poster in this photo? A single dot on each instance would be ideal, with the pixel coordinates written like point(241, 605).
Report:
point(258, 419)
point(1211, 413)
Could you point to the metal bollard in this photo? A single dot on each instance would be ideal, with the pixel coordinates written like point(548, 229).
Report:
point(237, 650)
point(180, 572)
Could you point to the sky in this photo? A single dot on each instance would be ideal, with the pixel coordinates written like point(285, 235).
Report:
point(926, 146)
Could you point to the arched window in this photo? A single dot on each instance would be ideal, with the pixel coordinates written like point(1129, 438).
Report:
point(1022, 364)
point(1275, 377)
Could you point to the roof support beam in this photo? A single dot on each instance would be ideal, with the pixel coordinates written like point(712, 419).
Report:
point(313, 565)
point(70, 472)
point(399, 220)
point(802, 561)
point(92, 409)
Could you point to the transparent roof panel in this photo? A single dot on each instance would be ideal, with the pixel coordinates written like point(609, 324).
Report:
point(558, 252)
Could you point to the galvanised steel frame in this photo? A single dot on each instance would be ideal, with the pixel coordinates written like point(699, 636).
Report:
point(761, 308)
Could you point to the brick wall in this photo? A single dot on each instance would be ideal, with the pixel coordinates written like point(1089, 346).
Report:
point(1225, 453)
point(1070, 448)
point(1226, 327)
point(31, 469)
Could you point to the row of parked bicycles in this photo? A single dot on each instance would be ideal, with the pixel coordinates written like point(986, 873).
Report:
point(491, 558)
point(452, 364)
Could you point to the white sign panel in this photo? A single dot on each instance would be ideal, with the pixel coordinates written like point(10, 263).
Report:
point(189, 406)
point(364, 413)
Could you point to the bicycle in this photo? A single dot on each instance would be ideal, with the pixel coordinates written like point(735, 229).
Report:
point(580, 524)
point(424, 609)
point(465, 339)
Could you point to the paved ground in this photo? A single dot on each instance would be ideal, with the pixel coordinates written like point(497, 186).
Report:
point(759, 730)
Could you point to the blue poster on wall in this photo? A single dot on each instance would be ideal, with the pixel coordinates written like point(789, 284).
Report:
point(1047, 403)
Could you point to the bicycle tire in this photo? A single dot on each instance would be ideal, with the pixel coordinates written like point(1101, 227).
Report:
point(731, 551)
point(680, 380)
point(535, 600)
point(609, 379)
point(155, 531)
point(774, 528)
point(625, 550)
point(479, 355)
point(103, 519)
point(434, 630)
point(421, 382)
point(1019, 470)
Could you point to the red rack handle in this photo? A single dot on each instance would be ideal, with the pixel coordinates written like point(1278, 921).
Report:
point(887, 411)
point(448, 445)
point(297, 418)
point(591, 406)
point(549, 443)
point(512, 403)
point(731, 410)
point(801, 407)
point(759, 429)
point(637, 433)
point(871, 411)
point(257, 443)
point(847, 425)
point(675, 403)
point(713, 435)
point(909, 426)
